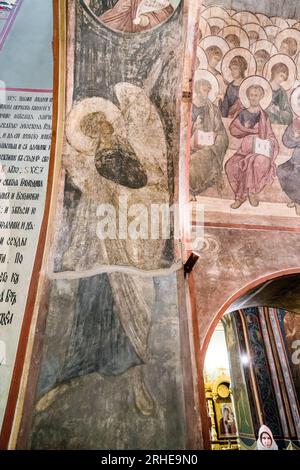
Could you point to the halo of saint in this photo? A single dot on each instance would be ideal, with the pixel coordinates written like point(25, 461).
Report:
point(231, 12)
point(295, 101)
point(216, 24)
point(259, 82)
point(215, 42)
point(296, 25)
point(89, 106)
point(288, 41)
point(202, 74)
point(233, 22)
point(287, 64)
point(201, 58)
point(264, 45)
point(263, 19)
point(291, 22)
point(215, 11)
point(262, 50)
point(254, 31)
point(204, 28)
point(271, 31)
point(297, 62)
point(280, 22)
point(244, 17)
point(238, 52)
point(235, 36)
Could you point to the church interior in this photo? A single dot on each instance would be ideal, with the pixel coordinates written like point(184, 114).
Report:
point(150, 225)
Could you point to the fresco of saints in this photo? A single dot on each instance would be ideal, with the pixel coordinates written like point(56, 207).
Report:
point(136, 15)
point(252, 167)
point(216, 25)
point(261, 57)
point(280, 111)
point(236, 65)
point(263, 50)
point(289, 47)
point(215, 48)
point(233, 40)
point(253, 36)
point(255, 32)
point(204, 29)
point(235, 37)
point(209, 140)
point(289, 172)
point(272, 31)
point(287, 41)
point(214, 57)
point(231, 105)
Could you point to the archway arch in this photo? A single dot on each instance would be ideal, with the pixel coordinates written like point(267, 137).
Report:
point(241, 293)
point(265, 291)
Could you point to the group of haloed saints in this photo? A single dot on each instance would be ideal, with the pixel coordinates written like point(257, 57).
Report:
point(246, 79)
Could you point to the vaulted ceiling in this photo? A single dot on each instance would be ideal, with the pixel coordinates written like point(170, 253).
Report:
point(283, 292)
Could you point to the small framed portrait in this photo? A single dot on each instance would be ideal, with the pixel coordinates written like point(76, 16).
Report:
point(226, 421)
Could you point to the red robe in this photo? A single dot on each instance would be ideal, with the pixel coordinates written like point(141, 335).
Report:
point(249, 172)
point(121, 16)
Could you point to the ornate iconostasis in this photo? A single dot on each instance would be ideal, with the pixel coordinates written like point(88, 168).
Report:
point(263, 364)
point(220, 406)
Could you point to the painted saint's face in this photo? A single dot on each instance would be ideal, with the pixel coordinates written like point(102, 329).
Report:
point(261, 62)
point(285, 48)
point(280, 78)
point(260, 65)
point(266, 440)
point(253, 36)
point(233, 41)
point(91, 125)
point(235, 71)
point(204, 91)
point(214, 60)
point(254, 97)
point(215, 30)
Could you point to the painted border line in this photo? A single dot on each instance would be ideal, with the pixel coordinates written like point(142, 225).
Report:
point(9, 24)
point(29, 90)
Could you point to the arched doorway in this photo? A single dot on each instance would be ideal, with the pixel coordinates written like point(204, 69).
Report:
point(258, 333)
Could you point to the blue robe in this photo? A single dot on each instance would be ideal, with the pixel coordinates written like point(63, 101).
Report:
point(283, 113)
point(230, 99)
point(289, 172)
